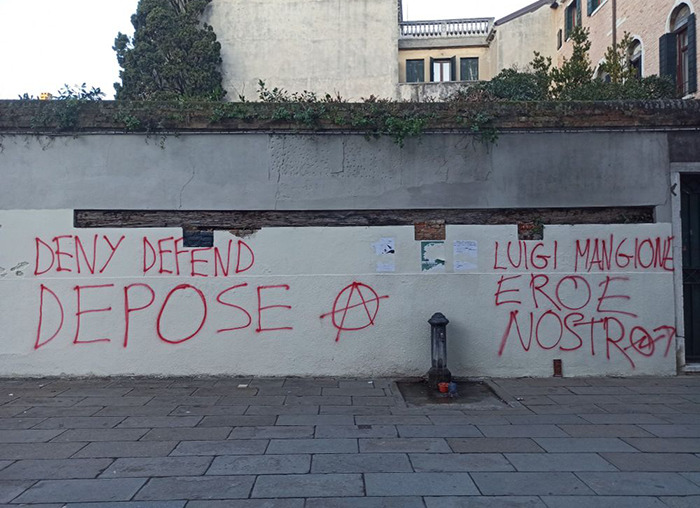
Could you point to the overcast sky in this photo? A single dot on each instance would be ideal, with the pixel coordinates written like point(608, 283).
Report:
point(45, 44)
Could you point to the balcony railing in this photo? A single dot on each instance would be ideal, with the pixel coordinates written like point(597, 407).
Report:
point(477, 27)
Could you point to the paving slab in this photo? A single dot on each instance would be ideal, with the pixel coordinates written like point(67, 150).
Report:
point(116, 449)
point(135, 410)
point(128, 504)
point(361, 463)
point(681, 501)
point(308, 485)
point(365, 502)
point(207, 410)
point(292, 446)
point(653, 461)
point(584, 444)
point(249, 503)
point(236, 421)
point(187, 434)
point(355, 431)
point(485, 502)
point(19, 423)
point(521, 431)
point(404, 445)
point(18, 451)
point(635, 484)
point(74, 491)
point(230, 447)
point(622, 418)
point(459, 462)
point(273, 432)
point(87, 435)
point(665, 445)
point(438, 431)
point(669, 430)
point(10, 489)
point(260, 464)
point(56, 469)
point(603, 502)
point(559, 462)
point(530, 484)
point(495, 445)
point(282, 410)
point(145, 467)
point(315, 420)
point(197, 487)
point(149, 422)
point(28, 435)
point(420, 484)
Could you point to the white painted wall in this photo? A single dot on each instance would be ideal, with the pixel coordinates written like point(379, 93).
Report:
point(316, 271)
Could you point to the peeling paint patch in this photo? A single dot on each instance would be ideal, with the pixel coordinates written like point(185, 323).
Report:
point(19, 266)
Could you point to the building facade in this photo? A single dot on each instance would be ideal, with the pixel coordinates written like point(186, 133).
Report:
point(663, 33)
point(363, 48)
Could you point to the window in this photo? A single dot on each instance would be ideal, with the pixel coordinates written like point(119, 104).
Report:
point(560, 39)
point(572, 17)
point(593, 5)
point(443, 69)
point(469, 69)
point(415, 71)
point(677, 51)
point(635, 57)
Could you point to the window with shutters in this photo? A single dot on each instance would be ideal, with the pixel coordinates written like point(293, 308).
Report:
point(678, 51)
point(635, 57)
point(593, 5)
point(469, 69)
point(572, 17)
point(415, 71)
point(441, 70)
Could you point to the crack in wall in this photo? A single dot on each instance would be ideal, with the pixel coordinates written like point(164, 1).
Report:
point(194, 172)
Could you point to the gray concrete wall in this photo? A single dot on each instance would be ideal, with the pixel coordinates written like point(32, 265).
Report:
point(344, 46)
point(333, 171)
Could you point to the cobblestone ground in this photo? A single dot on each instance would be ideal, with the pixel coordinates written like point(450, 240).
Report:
point(233, 442)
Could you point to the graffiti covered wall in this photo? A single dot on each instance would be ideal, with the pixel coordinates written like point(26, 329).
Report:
point(333, 301)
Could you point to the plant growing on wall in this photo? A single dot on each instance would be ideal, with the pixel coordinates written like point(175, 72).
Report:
point(172, 54)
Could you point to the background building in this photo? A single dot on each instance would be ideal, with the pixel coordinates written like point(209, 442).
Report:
point(663, 32)
point(363, 48)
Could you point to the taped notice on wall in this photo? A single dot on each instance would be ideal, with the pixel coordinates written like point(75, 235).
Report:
point(432, 256)
point(466, 255)
point(385, 251)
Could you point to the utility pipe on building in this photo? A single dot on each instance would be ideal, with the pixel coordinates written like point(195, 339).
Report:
point(614, 24)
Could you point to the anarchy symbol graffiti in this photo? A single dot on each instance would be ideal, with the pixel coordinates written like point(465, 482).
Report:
point(355, 308)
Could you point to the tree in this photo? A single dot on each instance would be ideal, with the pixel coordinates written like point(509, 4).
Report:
point(573, 80)
point(172, 55)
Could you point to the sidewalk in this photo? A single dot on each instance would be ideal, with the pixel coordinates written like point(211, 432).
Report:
point(320, 443)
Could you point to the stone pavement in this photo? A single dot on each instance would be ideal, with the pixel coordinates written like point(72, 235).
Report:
point(317, 443)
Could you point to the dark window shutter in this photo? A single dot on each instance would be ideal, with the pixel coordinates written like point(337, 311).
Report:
point(453, 69)
point(668, 54)
point(432, 69)
point(591, 8)
point(578, 12)
point(692, 55)
point(569, 23)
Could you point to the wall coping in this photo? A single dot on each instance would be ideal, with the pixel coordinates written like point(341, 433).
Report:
point(112, 117)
